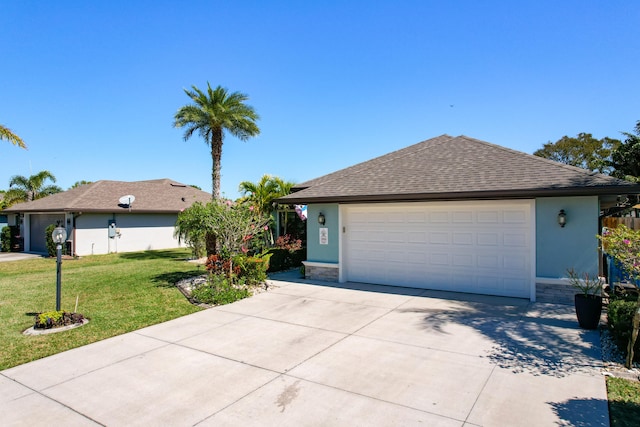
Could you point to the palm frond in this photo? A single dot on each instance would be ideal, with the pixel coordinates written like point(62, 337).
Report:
point(212, 114)
point(5, 133)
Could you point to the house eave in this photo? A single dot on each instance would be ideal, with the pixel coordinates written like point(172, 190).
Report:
point(470, 195)
point(96, 211)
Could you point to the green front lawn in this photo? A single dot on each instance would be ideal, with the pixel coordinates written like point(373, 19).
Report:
point(624, 402)
point(117, 292)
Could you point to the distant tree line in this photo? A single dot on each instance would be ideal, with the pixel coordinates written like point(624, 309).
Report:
point(610, 156)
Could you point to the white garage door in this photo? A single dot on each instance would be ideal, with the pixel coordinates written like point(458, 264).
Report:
point(480, 247)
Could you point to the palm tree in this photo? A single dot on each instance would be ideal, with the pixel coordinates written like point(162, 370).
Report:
point(79, 183)
point(212, 114)
point(23, 189)
point(5, 133)
point(284, 188)
point(260, 194)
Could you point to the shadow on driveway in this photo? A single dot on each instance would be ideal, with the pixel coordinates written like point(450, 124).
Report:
point(541, 339)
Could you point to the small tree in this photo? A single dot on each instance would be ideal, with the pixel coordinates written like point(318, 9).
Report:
point(192, 226)
point(623, 245)
point(237, 226)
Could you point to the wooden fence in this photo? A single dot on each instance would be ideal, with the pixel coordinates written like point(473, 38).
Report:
point(611, 222)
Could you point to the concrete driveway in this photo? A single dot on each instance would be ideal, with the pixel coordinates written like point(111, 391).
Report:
point(18, 256)
point(329, 355)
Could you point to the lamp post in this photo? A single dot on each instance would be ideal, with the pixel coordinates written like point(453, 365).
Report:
point(59, 235)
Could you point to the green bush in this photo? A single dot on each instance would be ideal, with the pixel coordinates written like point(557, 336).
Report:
point(219, 290)
point(5, 239)
point(229, 280)
point(620, 313)
point(282, 259)
point(54, 319)
point(51, 246)
point(253, 270)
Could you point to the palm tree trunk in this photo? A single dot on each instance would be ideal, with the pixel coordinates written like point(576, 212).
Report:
point(216, 157)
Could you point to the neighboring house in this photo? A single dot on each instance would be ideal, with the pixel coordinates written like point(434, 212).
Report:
point(98, 223)
point(457, 214)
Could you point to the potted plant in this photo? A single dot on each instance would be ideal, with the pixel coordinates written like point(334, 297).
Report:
point(588, 301)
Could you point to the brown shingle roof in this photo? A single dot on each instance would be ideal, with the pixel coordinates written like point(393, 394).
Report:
point(460, 167)
point(158, 196)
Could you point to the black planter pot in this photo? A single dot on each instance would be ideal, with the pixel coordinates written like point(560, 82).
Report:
point(588, 310)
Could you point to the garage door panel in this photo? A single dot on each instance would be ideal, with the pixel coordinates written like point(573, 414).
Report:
point(439, 238)
point(412, 257)
point(396, 257)
point(488, 217)
point(418, 237)
point(439, 259)
point(464, 217)
point(489, 261)
point(395, 237)
point(515, 217)
point(462, 238)
point(488, 239)
point(515, 239)
point(438, 217)
point(482, 247)
point(416, 217)
point(515, 262)
point(463, 260)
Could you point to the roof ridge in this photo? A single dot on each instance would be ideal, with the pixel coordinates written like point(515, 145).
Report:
point(84, 192)
point(545, 160)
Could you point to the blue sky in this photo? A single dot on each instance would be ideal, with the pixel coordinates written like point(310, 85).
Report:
point(92, 87)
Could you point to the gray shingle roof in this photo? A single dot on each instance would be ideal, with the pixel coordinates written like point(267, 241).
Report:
point(157, 196)
point(448, 168)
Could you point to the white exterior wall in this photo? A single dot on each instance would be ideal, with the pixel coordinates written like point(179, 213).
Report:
point(137, 232)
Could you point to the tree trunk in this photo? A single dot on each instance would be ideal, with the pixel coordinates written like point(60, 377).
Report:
point(211, 244)
point(634, 336)
point(216, 157)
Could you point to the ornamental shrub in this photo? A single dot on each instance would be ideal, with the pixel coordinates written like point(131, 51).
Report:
point(53, 319)
point(253, 270)
point(241, 268)
point(192, 226)
point(51, 246)
point(288, 243)
point(5, 239)
point(219, 290)
point(623, 245)
point(620, 316)
point(237, 228)
point(283, 259)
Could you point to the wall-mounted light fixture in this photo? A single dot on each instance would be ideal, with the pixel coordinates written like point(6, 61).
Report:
point(562, 218)
point(321, 219)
